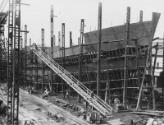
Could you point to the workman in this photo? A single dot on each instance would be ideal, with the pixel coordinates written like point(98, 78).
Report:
point(46, 93)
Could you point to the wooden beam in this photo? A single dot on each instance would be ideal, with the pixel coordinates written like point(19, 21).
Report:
point(42, 43)
point(125, 60)
point(81, 48)
point(153, 81)
point(143, 79)
point(99, 46)
point(63, 43)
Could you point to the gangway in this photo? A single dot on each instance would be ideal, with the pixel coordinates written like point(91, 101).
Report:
point(100, 105)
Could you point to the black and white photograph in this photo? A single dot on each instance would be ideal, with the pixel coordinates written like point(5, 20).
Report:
point(81, 62)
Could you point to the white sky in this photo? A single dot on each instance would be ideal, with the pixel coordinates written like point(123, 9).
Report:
point(37, 15)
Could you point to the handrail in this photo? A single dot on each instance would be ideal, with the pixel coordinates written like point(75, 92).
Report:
point(86, 93)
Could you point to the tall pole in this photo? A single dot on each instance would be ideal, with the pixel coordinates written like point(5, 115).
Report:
point(125, 60)
point(9, 61)
point(52, 29)
point(163, 52)
point(80, 40)
point(153, 77)
point(42, 39)
point(54, 41)
point(30, 42)
point(59, 45)
point(81, 48)
point(25, 42)
point(63, 43)
point(21, 43)
point(52, 37)
point(16, 62)
point(59, 39)
point(63, 49)
point(31, 60)
point(99, 46)
point(70, 36)
point(25, 36)
point(163, 69)
point(141, 16)
point(155, 60)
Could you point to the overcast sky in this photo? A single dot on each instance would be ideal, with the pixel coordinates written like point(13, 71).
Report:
point(37, 15)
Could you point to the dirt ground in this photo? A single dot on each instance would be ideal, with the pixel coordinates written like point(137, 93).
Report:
point(54, 110)
point(42, 112)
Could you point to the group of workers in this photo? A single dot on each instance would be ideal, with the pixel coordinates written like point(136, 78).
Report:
point(93, 117)
point(46, 92)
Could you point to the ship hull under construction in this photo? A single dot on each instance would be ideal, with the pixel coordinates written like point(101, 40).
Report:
point(83, 64)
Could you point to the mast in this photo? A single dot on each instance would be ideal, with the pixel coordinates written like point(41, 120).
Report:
point(99, 46)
